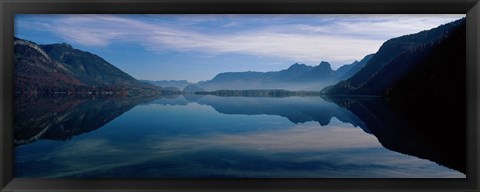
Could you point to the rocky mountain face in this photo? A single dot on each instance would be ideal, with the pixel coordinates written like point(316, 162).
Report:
point(61, 68)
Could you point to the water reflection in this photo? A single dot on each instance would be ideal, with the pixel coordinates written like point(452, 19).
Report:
point(428, 128)
point(61, 118)
point(208, 136)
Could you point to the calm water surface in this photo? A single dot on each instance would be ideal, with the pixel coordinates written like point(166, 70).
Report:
point(205, 137)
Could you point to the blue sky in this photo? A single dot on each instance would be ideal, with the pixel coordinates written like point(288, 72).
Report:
point(197, 47)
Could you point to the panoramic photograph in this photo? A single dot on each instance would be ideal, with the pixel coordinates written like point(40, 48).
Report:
point(240, 96)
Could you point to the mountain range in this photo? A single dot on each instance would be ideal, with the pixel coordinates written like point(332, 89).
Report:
point(60, 68)
point(296, 77)
point(180, 84)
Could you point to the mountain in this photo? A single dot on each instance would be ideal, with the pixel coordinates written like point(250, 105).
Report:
point(412, 64)
point(297, 77)
point(62, 68)
point(180, 84)
point(192, 89)
point(321, 72)
point(35, 70)
point(87, 67)
point(347, 71)
point(293, 72)
point(240, 80)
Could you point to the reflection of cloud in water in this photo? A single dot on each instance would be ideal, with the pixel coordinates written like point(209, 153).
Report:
point(303, 150)
point(88, 147)
point(300, 137)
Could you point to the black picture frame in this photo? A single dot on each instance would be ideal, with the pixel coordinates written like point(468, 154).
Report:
point(8, 8)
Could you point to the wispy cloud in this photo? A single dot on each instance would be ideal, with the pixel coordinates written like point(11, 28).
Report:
point(334, 38)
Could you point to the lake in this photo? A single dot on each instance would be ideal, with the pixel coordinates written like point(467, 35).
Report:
point(193, 136)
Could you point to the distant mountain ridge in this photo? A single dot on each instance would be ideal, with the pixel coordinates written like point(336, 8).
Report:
point(296, 77)
point(180, 84)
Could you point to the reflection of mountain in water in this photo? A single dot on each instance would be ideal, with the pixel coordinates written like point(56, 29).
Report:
point(397, 128)
point(422, 129)
point(60, 118)
point(170, 100)
point(296, 109)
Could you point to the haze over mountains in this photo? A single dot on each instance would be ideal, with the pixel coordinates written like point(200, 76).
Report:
point(296, 77)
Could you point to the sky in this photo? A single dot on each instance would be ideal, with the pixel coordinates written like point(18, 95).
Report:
point(197, 47)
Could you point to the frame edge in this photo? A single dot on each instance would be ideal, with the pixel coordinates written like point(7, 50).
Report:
point(6, 88)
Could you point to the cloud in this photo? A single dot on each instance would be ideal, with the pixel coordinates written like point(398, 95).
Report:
point(379, 29)
point(334, 38)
